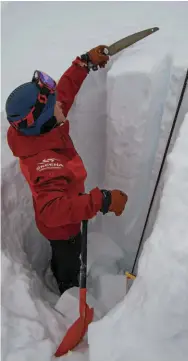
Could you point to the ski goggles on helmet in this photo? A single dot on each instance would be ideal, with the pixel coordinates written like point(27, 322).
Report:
point(47, 86)
point(44, 80)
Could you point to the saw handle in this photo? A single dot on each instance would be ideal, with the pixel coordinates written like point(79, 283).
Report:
point(95, 67)
point(106, 51)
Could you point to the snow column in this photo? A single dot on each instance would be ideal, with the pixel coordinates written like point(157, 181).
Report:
point(137, 87)
point(88, 126)
point(178, 74)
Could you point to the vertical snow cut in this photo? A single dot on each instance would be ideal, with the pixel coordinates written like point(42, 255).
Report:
point(151, 323)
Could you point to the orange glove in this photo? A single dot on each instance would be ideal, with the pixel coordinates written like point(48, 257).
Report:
point(97, 56)
point(113, 201)
point(118, 202)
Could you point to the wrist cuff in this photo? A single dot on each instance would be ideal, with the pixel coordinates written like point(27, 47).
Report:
point(106, 202)
point(82, 64)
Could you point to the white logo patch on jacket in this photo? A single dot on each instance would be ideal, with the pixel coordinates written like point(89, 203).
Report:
point(49, 163)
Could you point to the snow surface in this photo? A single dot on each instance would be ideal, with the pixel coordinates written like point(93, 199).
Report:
point(124, 115)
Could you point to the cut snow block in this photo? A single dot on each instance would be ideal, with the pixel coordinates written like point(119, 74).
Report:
point(102, 247)
point(68, 305)
point(111, 289)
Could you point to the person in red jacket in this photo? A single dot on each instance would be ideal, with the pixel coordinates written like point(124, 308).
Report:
point(39, 136)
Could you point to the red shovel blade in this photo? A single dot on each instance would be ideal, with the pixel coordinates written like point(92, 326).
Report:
point(75, 333)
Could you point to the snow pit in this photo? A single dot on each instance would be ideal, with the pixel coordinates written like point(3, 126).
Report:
point(120, 122)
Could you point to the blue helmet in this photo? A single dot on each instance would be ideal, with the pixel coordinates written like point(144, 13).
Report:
point(19, 105)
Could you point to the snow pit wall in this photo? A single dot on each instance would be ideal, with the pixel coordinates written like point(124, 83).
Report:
point(175, 87)
point(151, 322)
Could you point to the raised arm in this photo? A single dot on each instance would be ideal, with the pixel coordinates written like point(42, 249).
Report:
point(71, 81)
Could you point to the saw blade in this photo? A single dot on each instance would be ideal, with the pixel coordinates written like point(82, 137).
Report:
point(129, 40)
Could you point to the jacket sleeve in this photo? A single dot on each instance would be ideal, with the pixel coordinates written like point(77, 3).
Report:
point(69, 85)
point(56, 207)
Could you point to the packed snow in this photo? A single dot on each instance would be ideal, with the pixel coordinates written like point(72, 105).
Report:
point(124, 115)
point(151, 323)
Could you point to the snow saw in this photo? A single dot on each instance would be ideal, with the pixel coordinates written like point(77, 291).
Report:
point(125, 43)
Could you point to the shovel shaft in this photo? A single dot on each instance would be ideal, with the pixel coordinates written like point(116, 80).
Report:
point(82, 302)
point(83, 256)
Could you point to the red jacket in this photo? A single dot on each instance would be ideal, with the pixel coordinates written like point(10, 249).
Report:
point(55, 172)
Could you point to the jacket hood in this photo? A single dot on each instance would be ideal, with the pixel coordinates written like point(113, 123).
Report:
point(23, 146)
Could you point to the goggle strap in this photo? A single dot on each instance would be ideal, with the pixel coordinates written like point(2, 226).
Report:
point(30, 119)
point(36, 110)
point(41, 102)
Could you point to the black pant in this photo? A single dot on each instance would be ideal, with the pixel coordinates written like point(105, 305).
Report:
point(65, 262)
